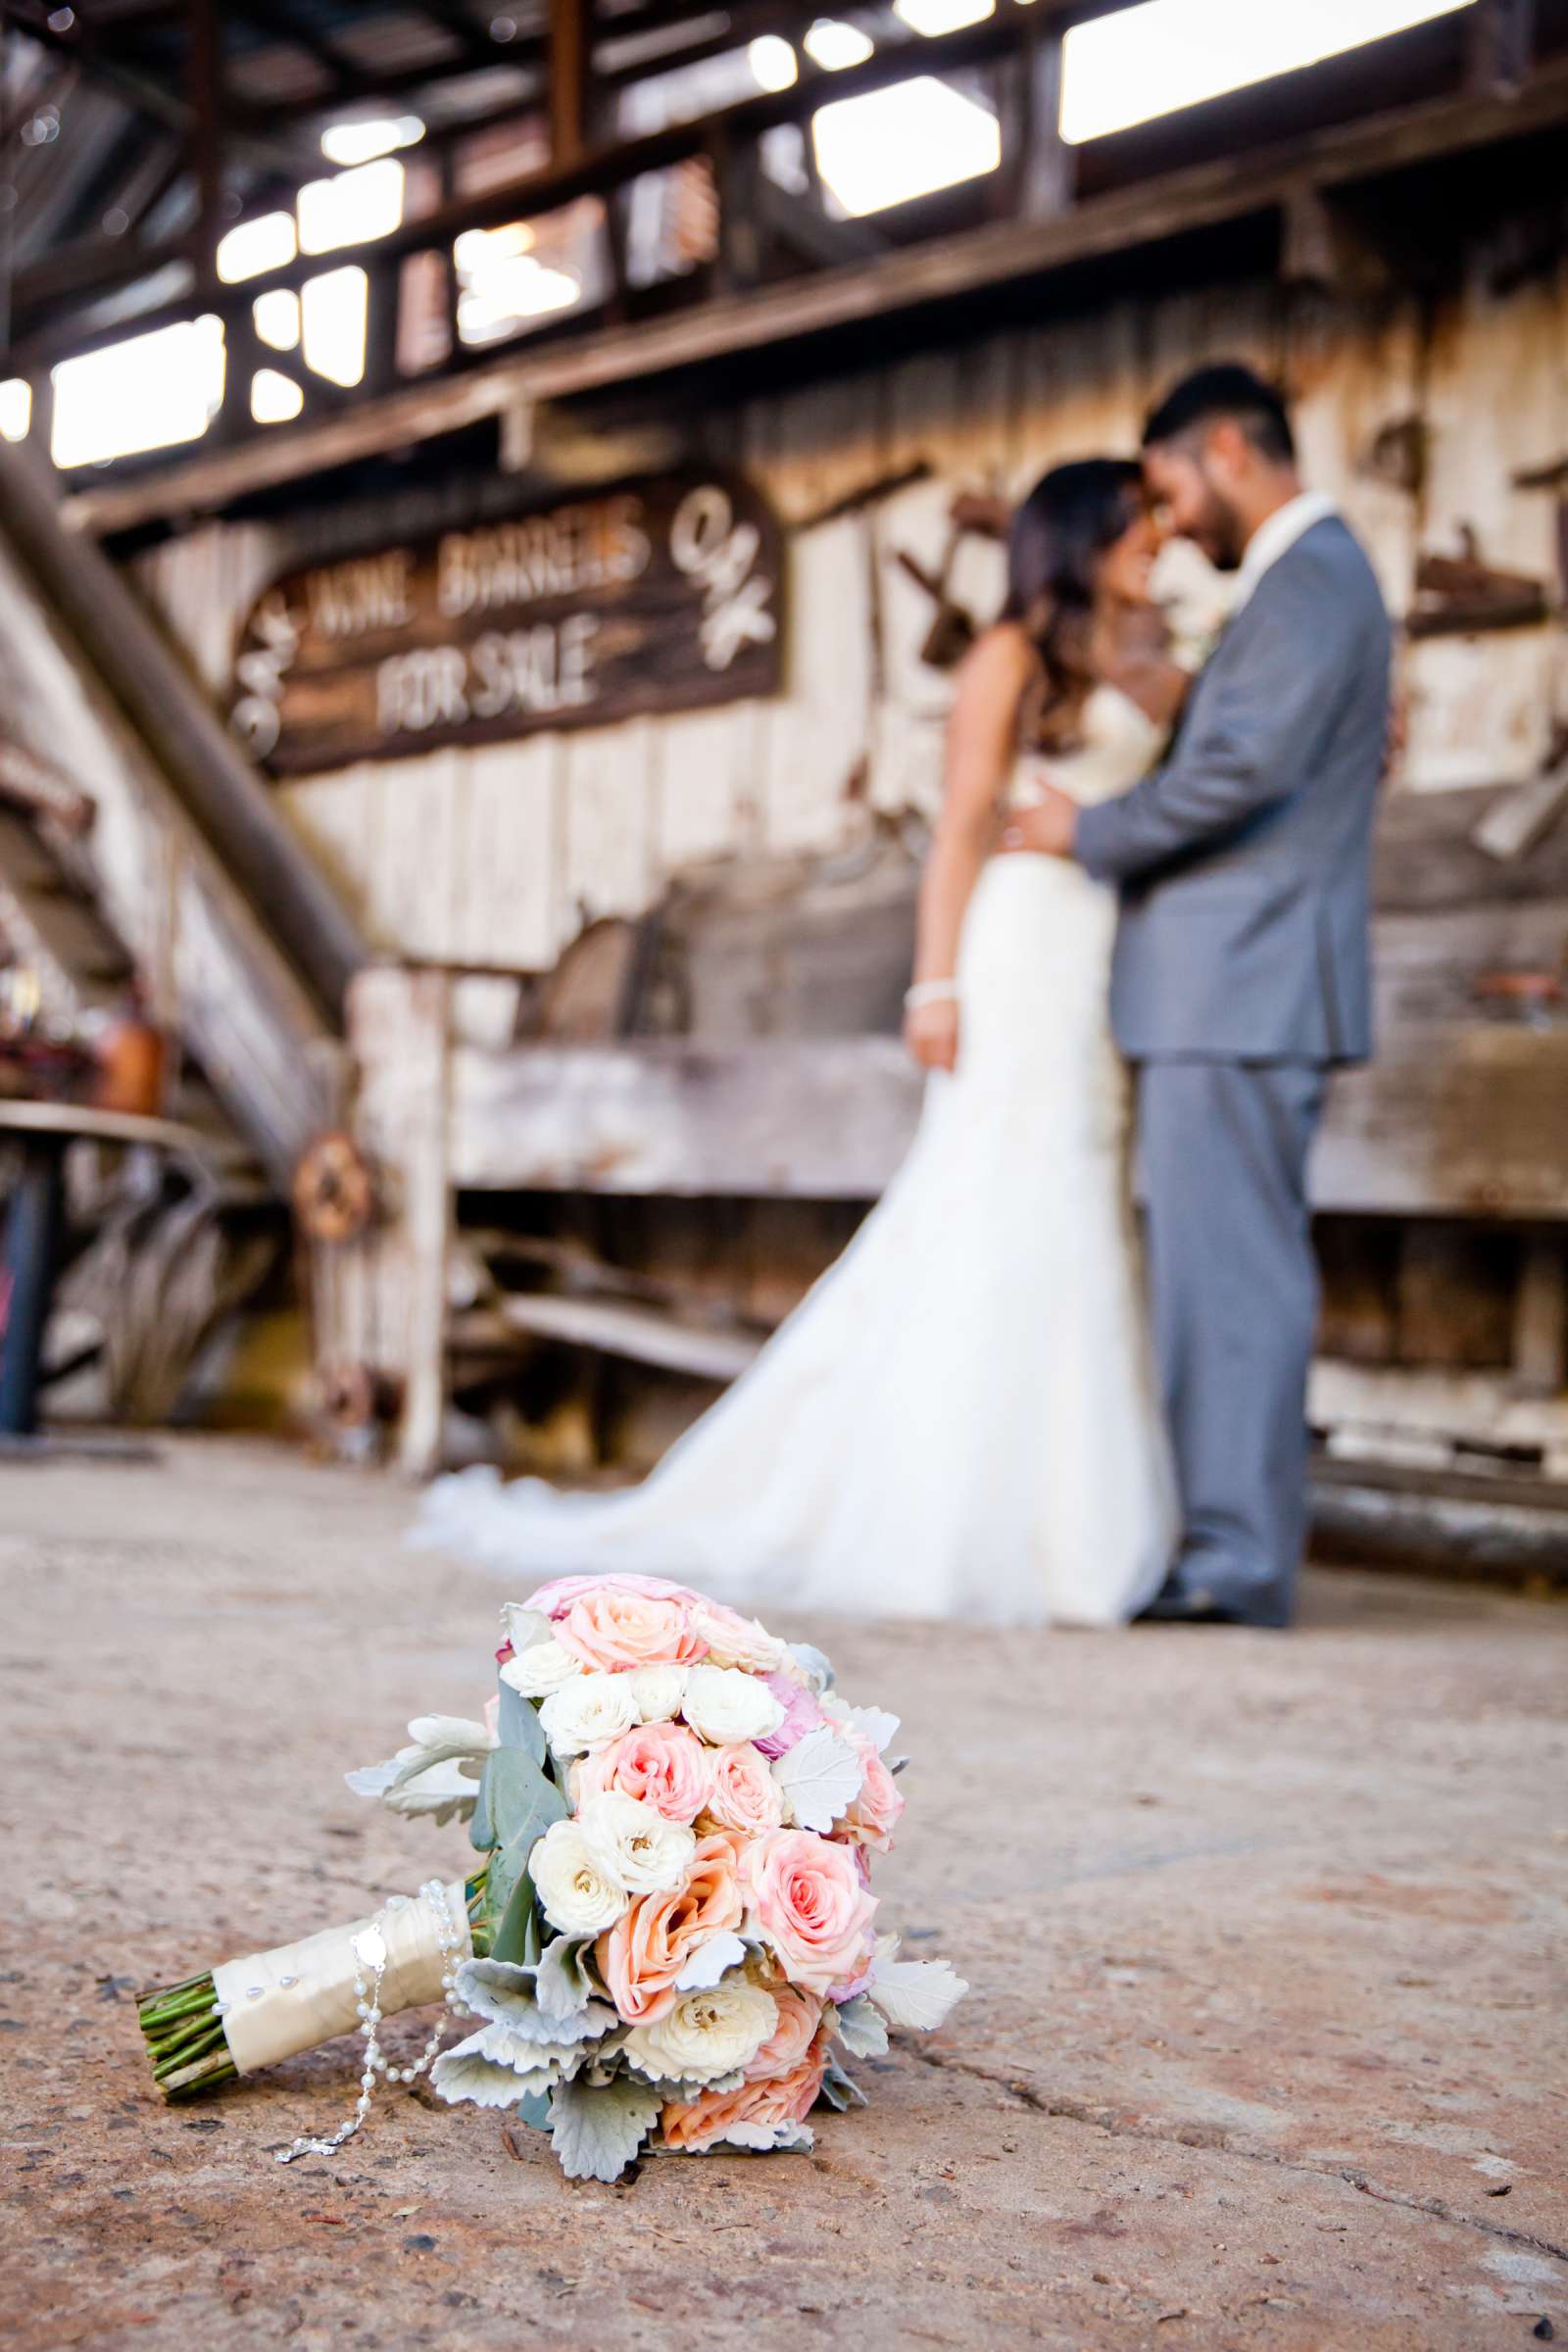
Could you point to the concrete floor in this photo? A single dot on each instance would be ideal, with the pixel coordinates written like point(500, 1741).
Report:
point(1266, 1937)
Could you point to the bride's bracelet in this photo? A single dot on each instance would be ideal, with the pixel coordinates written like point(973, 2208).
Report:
point(930, 992)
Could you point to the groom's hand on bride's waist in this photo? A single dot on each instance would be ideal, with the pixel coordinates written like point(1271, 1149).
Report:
point(1043, 828)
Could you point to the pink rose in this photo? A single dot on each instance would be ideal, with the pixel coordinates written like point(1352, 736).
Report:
point(612, 1632)
point(554, 1599)
point(802, 1714)
point(783, 2099)
point(648, 1947)
point(800, 2015)
point(805, 1899)
point(874, 1815)
point(744, 1796)
point(664, 1764)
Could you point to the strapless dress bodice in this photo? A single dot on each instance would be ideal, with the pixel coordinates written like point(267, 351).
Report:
point(1120, 743)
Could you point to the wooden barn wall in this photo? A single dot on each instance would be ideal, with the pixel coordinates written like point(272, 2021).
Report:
point(495, 857)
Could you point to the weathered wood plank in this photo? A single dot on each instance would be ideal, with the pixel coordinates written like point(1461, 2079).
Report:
point(1468, 1120)
point(827, 1119)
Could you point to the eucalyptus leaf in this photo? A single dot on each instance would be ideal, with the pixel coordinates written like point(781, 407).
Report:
point(596, 2133)
point(517, 1724)
point(516, 1936)
point(534, 2110)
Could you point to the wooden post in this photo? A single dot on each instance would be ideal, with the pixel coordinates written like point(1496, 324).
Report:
point(205, 74)
point(571, 73)
point(1501, 46)
point(1540, 1317)
point(1044, 172)
point(397, 1293)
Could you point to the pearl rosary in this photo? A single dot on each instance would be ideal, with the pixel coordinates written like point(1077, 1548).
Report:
point(370, 1952)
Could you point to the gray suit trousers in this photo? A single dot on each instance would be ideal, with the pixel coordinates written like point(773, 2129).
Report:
point(1232, 1288)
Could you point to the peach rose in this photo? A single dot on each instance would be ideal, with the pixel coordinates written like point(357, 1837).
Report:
point(800, 2017)
point(736, 1641)
point(783, 2099)
point(743, 1794)
point(644, 1952)
point(874, 1815)
point(805, 1897)
point(664, 1764)
point(612, 1632)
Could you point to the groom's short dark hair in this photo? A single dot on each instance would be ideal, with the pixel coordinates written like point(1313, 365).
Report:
point(1227, 389)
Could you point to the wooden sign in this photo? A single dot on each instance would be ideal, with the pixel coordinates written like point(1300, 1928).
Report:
point(660, 595)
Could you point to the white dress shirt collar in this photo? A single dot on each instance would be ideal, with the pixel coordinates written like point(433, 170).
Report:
point(1275, 537)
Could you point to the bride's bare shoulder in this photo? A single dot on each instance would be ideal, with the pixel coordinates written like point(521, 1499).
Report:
point(1002, 659)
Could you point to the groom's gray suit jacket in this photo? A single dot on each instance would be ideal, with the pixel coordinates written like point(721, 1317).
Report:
point(1244, 859)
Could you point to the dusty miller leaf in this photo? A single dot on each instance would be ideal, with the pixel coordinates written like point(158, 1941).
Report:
point(562, 1978)
point(710, 1961)
point(763, 2138)
point(820, 1777)
point(916, 1995)
point(839, 2090)
point(861, 2030)
point(468, 2074)
point(597, 2132)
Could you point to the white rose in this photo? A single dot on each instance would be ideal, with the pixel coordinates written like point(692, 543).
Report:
point(736, 1641)
point(589, 1711)
point(657, 1691)
point(545, 1667)
point(635, 1845)
point(706, 2034)
point(725, 1706)
point(579, 1894)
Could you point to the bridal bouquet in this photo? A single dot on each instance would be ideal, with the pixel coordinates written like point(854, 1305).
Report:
point(671, 1938)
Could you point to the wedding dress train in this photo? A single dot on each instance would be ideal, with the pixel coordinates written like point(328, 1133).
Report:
point(960, 1419)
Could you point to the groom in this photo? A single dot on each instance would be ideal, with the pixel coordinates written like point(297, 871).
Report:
point(1240, 972)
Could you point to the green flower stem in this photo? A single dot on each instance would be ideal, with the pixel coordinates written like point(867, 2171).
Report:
point(185, 2039)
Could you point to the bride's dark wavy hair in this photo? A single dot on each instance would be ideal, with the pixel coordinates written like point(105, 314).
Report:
point(1059, 535)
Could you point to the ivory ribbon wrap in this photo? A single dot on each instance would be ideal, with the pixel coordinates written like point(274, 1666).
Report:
point(283, 2018)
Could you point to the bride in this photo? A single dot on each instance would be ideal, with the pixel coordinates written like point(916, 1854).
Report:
point(959, 1420)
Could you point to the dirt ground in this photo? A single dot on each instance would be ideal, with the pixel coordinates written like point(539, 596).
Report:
point(1265, 1936)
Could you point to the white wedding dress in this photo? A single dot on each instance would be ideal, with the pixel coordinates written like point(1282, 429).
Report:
point(959, 1420)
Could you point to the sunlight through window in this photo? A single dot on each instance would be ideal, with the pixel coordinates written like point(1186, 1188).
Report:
point(834, 46)
point(363, 142)
point(1148, 61)
point(772, 63)
point(265, 243)
point(890, 146)
point(275, 397)
point(333, 310)
point(148, 393)
point(15, 408)
point(352, 207)
point(502, 282)
point(277, 318)
point(933, 17)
